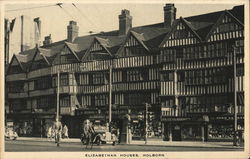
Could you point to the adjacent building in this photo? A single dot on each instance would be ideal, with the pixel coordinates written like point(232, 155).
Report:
point(182, 67)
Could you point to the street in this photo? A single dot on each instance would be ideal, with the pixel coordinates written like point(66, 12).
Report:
point(69, 145)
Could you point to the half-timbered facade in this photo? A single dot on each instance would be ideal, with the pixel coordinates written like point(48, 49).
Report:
point(184, 70)
point(197, 74)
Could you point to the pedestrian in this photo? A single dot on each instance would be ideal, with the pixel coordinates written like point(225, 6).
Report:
point(58, 132)
point(52, 132)
point(65, 132)
point(49, 133)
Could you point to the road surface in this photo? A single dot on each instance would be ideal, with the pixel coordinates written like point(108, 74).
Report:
point(38, 146)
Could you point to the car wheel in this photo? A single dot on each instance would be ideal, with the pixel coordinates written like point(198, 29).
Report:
point(114, 143)
point(98, 141)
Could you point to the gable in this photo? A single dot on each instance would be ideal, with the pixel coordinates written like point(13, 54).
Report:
point(65, 56)
point(97, 47)
point(39, 62)
point(97, 52)
point(66, 51)
point(131, 42)
point(15, 62)
point(15, 66)
point(132, 47)
point(227, 27)
point(180, 35)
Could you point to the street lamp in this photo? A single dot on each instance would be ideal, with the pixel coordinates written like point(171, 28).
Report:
point(58, 98)
point(146, 122)
point(235, 99)
point(58, 95)
point(110, 91)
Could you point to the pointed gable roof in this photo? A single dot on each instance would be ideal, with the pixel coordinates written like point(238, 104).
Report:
point(187, 25)
point(193, 29)
point(73, 49)
point(102, 42)
point(149, 36)
point(42, 54)
point(15, 61)
point(219, 20)
point(26, 57)
point(140, 38)
point(204, 23)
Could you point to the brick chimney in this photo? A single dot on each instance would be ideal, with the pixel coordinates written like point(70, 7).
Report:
point(72, 31)
point(47, 40)
point(37, 22)
point(125, 22)
point(169, 15)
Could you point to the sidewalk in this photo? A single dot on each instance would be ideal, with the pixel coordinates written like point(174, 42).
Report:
point(186, 144)
point(151, 142)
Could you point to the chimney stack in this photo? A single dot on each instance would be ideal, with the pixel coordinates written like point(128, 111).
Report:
point(169, 15)
point(125, 22)
point(72, 31)
point(37, 22)
point(47, 40)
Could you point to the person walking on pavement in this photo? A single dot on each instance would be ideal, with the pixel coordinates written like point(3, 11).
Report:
point(65, 132)
point(49, 133)
point(58, 132)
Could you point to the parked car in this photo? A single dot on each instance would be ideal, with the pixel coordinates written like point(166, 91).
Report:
point(10, 134)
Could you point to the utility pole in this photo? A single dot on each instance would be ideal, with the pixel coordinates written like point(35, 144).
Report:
point(110, 95)
point(146, 122)
point(58, 97)
point(235, 99)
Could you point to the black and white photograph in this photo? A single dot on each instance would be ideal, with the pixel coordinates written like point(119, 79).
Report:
point(153, 79)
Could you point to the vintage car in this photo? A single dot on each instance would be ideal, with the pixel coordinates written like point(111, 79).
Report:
point(103, 136)
point(10, 134)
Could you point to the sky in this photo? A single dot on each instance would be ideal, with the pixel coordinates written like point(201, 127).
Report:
point(100, 17)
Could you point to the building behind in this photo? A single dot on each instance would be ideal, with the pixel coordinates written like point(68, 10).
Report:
point(182, 67)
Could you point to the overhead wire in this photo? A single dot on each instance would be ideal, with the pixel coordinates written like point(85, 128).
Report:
point(85, 17)
point(12, 10)
point(60, 5)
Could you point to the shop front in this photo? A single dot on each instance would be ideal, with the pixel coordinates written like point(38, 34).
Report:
point(31, 124)
point(184, 129)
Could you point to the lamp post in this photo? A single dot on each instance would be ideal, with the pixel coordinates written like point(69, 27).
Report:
point(235, 99)
point(146, 122)
point(110, 92)
point(58, 98)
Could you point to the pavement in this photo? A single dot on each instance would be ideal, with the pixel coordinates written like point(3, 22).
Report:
point(150, 142)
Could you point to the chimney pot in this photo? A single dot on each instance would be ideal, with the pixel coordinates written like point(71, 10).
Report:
point(125, 22)
point(72, 31)
point(169, 15)
point(47, 40)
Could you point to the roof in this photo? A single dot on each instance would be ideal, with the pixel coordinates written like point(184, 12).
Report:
point(150, 36)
